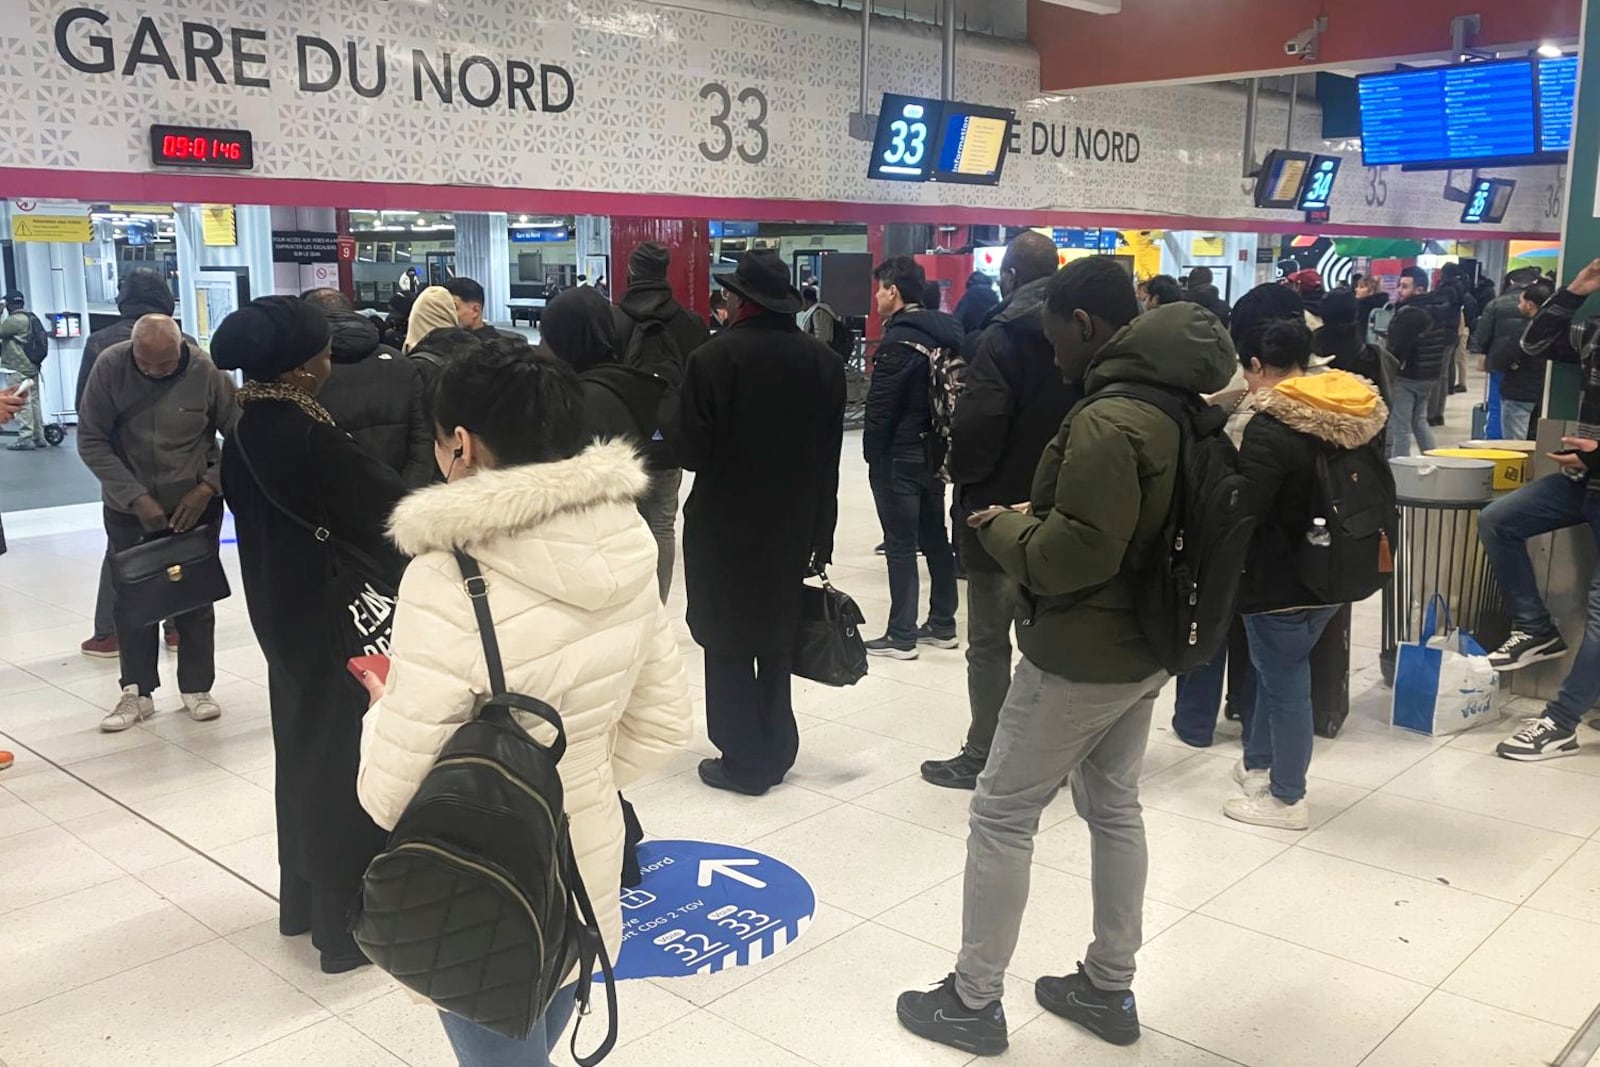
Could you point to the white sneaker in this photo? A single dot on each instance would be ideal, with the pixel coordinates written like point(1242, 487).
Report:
point(1251, 781)
point(131, 710)
point(201, 707)
point(1264, 809)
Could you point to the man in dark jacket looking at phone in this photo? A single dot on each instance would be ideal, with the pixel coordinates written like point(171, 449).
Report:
point(1012, 406)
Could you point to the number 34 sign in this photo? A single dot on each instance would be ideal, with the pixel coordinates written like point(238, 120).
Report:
point(704, 907)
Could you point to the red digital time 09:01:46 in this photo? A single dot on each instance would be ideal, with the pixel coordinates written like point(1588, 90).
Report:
point(200, 148)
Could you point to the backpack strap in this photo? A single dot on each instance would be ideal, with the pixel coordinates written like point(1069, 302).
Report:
point(591, 949)
point(502, 703)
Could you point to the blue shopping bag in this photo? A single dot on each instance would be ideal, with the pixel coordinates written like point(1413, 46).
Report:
point(1443, 682)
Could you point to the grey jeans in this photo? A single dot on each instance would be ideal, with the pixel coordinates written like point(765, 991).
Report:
point(1053, 731)
point(659, 506)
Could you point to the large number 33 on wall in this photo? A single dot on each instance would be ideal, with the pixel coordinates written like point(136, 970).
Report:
point(752, 144)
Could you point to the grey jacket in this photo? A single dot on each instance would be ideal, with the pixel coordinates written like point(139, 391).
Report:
point(158, 436)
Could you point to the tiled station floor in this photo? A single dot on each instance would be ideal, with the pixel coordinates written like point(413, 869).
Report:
point(1445, 909)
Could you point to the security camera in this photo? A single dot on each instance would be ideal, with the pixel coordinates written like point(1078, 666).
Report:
point(1304, 43)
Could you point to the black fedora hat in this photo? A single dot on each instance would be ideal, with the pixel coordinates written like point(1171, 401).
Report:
point(763, 279)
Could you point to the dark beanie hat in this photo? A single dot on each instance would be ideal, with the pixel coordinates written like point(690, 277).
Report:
point(649, 262)
point(269, 337)
point(1259, 308)
point(1339, 308)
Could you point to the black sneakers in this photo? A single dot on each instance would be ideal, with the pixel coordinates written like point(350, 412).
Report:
point(1539, 739)
point(887, 646)
point(1523, 649)
point(1110, 1015)
point(938, 1015)
point(958, 773)
point(945, 639)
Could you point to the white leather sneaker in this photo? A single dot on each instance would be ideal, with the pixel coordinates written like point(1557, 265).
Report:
point(201, 707)
point(1264, 809)
point(131, 710)
point(1251, 781)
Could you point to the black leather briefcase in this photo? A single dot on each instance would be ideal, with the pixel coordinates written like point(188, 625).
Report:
point(169, 574)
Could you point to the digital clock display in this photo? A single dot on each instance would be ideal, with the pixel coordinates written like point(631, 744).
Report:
point(195, 146)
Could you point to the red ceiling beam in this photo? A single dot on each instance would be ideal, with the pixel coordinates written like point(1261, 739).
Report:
point(1163, 41)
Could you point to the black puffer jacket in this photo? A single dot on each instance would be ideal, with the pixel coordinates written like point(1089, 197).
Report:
point(141, 293)
point(654, 300)
point(1278, 457)
point(376, 396)
point(1499, 337)
point(1424, 333)
point(899, 412)
point(1012, 408)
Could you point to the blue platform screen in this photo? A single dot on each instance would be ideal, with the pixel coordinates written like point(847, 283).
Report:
point(1445, 116)
point(1558, 93)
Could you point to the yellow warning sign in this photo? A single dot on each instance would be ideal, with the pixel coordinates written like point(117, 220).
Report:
point(1209, 247)
point(217, 225)
point(65, 229)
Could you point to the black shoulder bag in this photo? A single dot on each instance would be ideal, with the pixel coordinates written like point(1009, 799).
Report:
point(477, 902)
point(359, 589)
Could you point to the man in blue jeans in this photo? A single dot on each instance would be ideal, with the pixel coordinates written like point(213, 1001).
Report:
point(1554, 502)
point(900, 445)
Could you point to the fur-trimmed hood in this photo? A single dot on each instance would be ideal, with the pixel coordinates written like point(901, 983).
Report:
point(501, 503)
point(1334, 406)
point(569, 531)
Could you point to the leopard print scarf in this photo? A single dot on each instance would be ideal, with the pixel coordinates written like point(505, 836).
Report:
point(251, 391)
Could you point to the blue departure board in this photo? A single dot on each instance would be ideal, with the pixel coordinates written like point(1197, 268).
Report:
point(1443, 116)
point(1558, 93)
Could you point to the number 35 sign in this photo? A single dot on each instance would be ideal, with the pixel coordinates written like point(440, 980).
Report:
point(704, 908)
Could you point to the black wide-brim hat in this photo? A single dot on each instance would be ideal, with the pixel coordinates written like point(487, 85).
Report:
point(763, 279)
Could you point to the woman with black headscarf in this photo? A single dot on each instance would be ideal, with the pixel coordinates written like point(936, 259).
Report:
point(579, 328)
point(311, 509)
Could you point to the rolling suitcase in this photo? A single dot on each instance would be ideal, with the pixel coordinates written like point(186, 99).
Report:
point(1330, 676)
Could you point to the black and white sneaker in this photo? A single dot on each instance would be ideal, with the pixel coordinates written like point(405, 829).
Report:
point(946, 639)
point(1523, 649)
point(888, 646)
point(939, 1015)
point(1111, 1015)
point(1539, 739)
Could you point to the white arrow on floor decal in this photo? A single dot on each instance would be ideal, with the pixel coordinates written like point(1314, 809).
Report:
point(729, 868)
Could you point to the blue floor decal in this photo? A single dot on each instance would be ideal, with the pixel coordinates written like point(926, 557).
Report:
point(704, 907)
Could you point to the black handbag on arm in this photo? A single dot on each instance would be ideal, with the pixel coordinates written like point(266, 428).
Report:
point(828, 647)
point(477, 902)
point(169, 574)
point(360, 591)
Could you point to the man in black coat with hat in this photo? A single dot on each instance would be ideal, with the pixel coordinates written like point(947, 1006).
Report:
point(761, 424)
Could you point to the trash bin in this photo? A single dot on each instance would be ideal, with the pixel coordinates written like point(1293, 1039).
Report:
point(1438, 552)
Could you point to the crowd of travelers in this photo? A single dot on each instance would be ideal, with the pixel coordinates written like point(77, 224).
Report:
point(496, 521)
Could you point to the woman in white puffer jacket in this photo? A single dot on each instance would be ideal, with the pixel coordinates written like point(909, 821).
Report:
point(571, 571)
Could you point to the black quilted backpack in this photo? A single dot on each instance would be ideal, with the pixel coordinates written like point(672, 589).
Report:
point(477, 903)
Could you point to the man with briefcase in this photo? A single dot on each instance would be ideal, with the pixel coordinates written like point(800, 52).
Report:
point(147, 427)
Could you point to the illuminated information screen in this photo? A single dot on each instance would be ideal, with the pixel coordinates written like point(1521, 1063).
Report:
point(1446, 115)
point(925, 140)
point(973, 147)
point(1558, 93)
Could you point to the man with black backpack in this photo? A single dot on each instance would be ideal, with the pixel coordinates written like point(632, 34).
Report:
point(915, 374)
point(656, 334)
point(1092, 549)
point(23, 347)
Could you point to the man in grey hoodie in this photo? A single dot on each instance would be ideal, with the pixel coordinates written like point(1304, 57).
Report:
point(147, 427)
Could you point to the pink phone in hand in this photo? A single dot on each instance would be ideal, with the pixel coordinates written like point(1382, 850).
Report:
point(378, 665)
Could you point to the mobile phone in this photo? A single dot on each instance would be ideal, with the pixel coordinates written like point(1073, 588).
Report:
point(25, 388)
point(1566, 452)
point(378, 665)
